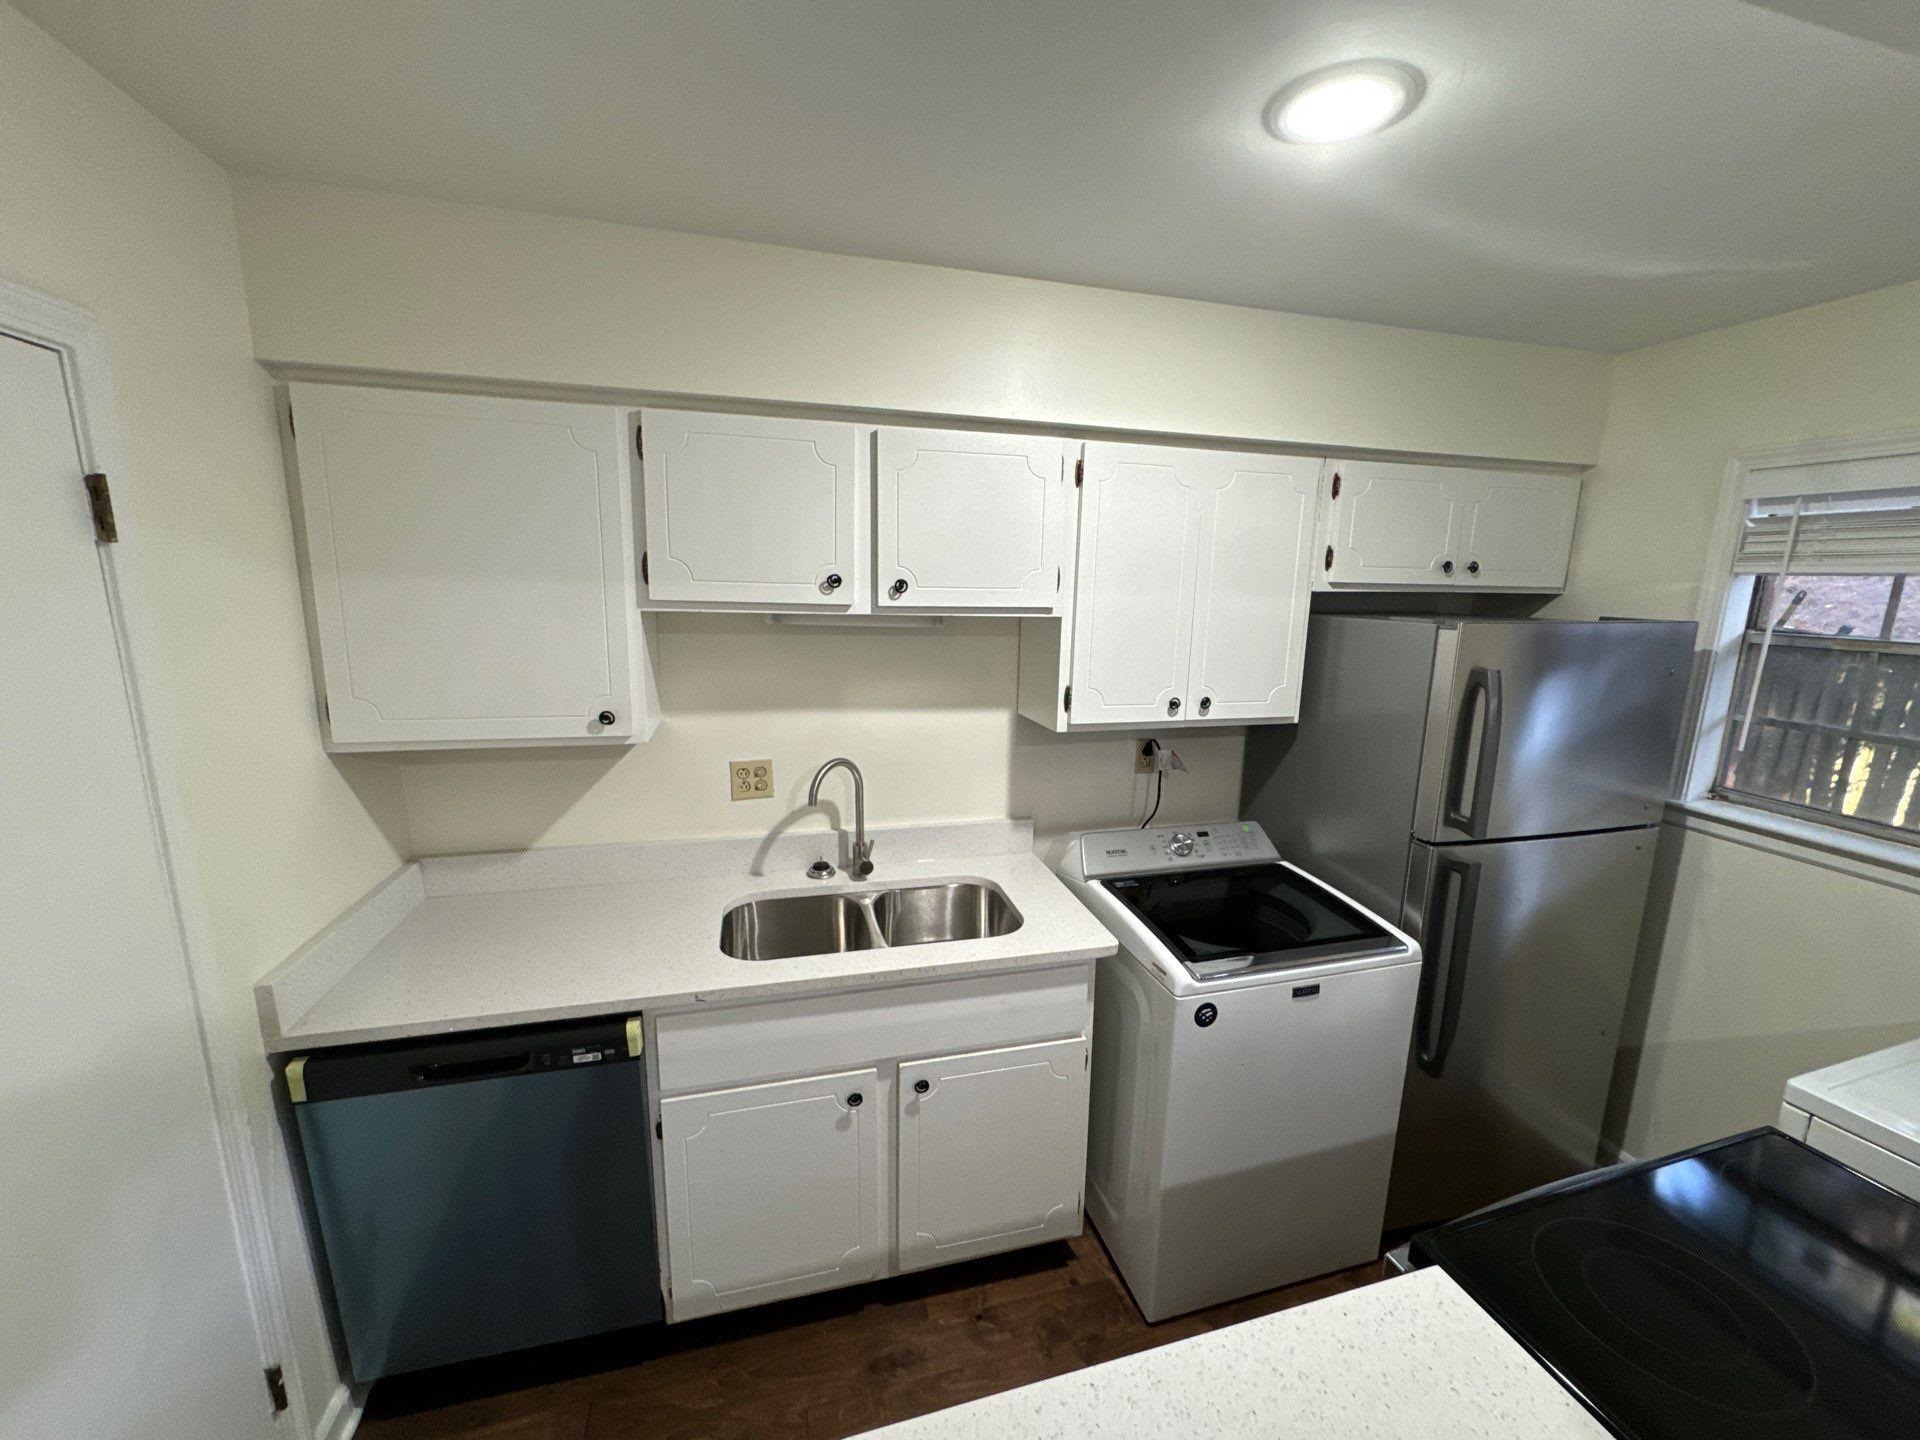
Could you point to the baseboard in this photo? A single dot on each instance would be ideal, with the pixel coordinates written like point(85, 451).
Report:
point(341, 1417)
point(1612, 1154)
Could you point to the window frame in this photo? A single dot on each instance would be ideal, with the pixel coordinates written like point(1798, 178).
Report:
point(1852, 465)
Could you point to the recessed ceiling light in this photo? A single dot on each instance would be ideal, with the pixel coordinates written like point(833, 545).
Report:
point(1344, 102)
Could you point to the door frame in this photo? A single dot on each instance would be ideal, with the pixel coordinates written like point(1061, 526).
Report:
point(78, 339)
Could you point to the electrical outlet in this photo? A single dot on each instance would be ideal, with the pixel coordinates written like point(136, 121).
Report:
point(1143, 757)
point(750, 779)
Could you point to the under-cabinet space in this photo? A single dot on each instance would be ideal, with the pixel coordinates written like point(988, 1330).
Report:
point(1190, 599)
point(1389, 526)
point(468, 567)
point(772, 1190)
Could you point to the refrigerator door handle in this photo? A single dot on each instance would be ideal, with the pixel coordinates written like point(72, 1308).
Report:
point(1483, 690)
point(1442, 981)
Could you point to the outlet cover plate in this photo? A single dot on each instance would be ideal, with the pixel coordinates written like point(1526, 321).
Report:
point(750, 779)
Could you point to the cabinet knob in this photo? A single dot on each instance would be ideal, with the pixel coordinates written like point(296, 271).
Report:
point(1446, 567)
point(1473, 567)
point(830, 584)
point(1206, 703)
point(856, 1100)
point(920, 1087)
point(897, 589)
point(606, 717)
point(1173, 706)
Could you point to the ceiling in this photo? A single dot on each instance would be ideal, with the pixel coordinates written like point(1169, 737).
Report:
point(1597, 173)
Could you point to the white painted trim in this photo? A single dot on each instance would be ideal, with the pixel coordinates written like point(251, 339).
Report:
point(82, 346)
point(1831, 847)
point(1724, 596)
point(341, 1417)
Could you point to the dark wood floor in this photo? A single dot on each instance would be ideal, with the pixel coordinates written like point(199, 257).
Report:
point(817, 1368)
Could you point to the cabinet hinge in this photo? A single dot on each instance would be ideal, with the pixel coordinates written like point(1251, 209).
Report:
point(100, 502)
point(1328, 565)
point(643, 568)
point(1336, 485)
point(1066, 700)
point(1079, 472)
point(639, 442)
point(291, 429)
point(659, 1131)
point(277, 1388)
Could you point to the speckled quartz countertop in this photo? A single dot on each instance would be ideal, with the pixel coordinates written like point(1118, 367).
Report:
point(467, 942)
point(1412, 1358)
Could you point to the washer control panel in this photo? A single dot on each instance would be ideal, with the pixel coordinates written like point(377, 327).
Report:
point(1182, 847)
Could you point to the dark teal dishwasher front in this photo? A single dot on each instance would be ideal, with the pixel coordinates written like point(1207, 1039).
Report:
point(483, 1192)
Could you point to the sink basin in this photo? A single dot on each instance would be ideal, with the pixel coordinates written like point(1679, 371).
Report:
point(788, 926)
point(791, 925)
point(962, 910)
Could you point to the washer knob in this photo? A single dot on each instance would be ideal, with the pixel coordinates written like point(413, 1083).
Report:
point(1181, 844)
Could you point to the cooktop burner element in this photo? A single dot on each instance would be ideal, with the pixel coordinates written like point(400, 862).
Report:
point(1750, 1288)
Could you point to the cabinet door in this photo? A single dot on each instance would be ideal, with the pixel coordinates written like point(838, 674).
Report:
point(1393, 524)
point(470, 566)
point(993, 1150)
point(966, 521)
point(1519, 532)
point(746, 510)
point(1140, 513)
point(1250, 607)
point(772, 1190)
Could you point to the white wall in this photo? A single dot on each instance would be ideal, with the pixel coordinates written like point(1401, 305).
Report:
point(351, 278)
point(103, 206)
point(1756, 967)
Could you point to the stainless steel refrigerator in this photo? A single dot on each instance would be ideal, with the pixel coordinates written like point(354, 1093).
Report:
point(1497, 786)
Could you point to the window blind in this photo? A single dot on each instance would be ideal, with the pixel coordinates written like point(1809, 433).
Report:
point(1860, 534)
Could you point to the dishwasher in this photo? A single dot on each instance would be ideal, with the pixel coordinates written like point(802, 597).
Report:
point(483, 1192)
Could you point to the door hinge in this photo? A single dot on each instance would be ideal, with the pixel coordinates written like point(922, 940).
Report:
point(100, 502)
point(659, 1131)
point(1079, 472)
point(291, 430)
point(1066, 700)
point(1329, 561)
point(639, 442)
point(277, 1388)
point(1336, 485)
point(643, 569)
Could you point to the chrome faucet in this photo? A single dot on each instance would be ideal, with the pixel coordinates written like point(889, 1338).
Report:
point(862, 864)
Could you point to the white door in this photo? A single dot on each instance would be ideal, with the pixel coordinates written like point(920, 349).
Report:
point(1519, 531)
point(470, 563)
point(744, 510)
point(772, 1190)
point(1250, 609)
point(993, 1150)
point(1392, 524)
point(1140, 516)
point(126, 1310)
point(967, 521)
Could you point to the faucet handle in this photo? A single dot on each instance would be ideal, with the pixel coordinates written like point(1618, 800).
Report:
point(863, 859)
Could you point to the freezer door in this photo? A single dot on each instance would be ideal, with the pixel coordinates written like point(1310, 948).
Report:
point(1551, 727)
point(1529, 946)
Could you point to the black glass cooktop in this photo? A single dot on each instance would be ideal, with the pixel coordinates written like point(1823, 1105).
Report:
point(1751, 1288)
point(1225, 922)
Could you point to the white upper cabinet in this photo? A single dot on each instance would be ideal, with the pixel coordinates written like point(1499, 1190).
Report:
point(469, 569)
point(1190, 603)
point(754, 512)
point(1141, 509)
point(970, 521)
point(1519, 532)
point(1393, 526)
point(1250, 611)
point(992, 1151)
point(772, 1190)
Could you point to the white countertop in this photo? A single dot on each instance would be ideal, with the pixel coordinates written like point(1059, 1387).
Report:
point(464, 943)
point(1412, 1358)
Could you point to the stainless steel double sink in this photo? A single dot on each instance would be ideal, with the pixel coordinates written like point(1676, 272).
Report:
point(786, 926)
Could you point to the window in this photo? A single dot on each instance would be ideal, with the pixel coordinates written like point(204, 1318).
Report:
point(1824, 713)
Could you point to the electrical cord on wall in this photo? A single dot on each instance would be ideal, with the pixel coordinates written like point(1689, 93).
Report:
point(1159, 785)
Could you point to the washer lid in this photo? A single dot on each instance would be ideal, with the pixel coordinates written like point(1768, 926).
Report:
point(1232, 921)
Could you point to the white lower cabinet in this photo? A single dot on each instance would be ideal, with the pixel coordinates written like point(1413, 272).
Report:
point(772, 1190)
point(992, 1151)
point(782, 1187)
